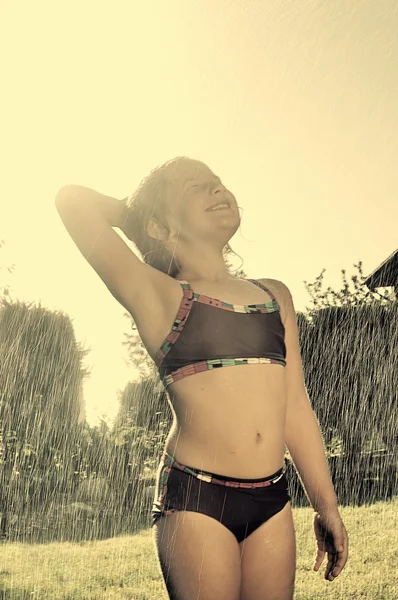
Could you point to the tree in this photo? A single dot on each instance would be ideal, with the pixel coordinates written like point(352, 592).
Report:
point(348, 341)
point(344, 297)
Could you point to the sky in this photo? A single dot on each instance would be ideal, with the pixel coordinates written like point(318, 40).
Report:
point(293, 104)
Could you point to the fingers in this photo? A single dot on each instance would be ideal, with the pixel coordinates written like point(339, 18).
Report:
point(341, 560)
point(331, 566)
point(318, 559)
point(335, 564)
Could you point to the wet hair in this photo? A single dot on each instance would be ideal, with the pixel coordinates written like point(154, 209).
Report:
point(148, 201)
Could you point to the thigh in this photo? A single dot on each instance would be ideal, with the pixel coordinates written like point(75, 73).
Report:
point(269, 559)
point(199, 557)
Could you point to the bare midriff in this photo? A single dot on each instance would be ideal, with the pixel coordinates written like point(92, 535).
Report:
point(230, 421)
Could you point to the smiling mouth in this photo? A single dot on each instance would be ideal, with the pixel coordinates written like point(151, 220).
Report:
point(218, 206)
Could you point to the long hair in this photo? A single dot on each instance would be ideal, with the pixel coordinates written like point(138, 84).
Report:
point(149, 201)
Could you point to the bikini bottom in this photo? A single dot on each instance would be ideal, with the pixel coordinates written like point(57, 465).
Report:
point(241, 505)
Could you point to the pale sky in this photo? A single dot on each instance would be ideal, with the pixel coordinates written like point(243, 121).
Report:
point(293, 104)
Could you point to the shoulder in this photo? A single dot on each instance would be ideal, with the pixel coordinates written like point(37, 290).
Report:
point(277, 286)
point(282, 294)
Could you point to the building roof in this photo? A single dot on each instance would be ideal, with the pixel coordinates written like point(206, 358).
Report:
point(385, 275)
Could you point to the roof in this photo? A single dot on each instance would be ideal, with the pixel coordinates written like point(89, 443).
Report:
point(385, 275)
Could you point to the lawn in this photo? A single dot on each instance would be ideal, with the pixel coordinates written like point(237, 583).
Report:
point(126, 567)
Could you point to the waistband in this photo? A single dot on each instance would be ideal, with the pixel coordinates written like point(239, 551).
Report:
point(169, 461)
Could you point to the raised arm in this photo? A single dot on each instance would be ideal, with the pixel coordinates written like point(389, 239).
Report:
point(89, 218)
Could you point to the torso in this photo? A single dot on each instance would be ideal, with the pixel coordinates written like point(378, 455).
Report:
point(229, 421)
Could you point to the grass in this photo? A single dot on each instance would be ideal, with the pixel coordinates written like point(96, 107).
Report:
point(126, 567)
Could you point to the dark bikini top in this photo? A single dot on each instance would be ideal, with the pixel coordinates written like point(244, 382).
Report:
point(209, 333)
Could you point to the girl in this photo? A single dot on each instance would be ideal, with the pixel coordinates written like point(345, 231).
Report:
point(222, 515)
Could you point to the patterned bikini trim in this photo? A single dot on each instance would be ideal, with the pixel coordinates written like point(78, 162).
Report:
point(266, 307)
point(208, 365)
point(178, 325)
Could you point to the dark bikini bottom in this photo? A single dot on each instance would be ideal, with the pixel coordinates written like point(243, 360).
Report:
point(242, 505)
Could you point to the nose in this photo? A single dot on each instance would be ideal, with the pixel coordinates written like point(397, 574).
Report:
point(219, 187)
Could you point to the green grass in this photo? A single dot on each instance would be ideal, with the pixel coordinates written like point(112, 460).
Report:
point(126, 567)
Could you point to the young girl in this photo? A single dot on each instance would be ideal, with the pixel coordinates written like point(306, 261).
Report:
point(222, 515)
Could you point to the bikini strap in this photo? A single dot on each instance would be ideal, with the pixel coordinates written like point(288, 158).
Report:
point(186, 289)
point(178, 325)
point(262, 286)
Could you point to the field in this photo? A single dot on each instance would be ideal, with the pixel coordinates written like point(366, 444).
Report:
point(126, 567)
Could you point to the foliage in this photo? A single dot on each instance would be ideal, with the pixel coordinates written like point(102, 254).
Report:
point(348, 341)
point(346, 296)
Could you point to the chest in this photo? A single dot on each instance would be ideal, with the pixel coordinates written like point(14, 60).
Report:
point(211, 318)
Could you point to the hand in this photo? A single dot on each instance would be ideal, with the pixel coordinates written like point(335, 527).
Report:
point(331, 536)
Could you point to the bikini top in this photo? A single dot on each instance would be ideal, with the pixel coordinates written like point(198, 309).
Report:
point(209, 333)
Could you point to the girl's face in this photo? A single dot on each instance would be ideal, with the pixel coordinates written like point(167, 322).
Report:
point(194, 191)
